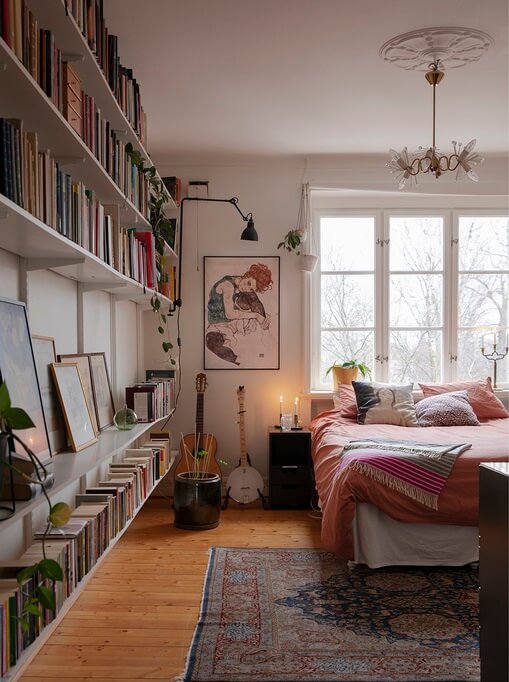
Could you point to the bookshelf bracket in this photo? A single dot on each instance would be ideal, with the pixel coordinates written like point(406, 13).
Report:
point(73, 57)
point(3, 66)
point(46, 263)
point(100, 286)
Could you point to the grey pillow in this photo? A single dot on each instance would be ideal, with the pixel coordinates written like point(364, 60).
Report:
point(446, 409)
point(384, 404)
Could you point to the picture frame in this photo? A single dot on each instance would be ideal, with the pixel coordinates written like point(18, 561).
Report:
point(44, 355)
point(103, 396)
point(83, 362)
point(78, 418)
point(241, 312)
point(18, 371)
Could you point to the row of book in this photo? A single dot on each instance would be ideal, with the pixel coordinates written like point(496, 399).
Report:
point(138, 256)
point(151, 400)
point(21, 169)
point(101, 513)
point(89, 17)
point(35, 47)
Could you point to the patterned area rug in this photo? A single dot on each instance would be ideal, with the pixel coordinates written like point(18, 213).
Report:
point(274, 615)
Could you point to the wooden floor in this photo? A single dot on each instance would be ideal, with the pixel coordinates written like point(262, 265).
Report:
point(135, 618)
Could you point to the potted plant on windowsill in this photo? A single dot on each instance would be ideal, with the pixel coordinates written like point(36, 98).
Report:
point(43, 597)
point(347, 371)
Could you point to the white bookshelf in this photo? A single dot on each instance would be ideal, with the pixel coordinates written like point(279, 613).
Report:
point(39, 247)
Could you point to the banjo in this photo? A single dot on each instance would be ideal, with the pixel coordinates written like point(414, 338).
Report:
point(245, 483)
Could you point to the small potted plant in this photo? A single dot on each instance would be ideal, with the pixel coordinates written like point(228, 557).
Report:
point(347, 371)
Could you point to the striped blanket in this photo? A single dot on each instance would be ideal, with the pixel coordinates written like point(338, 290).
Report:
point(418, 470)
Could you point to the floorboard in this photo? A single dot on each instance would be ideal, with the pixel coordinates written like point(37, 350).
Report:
point(135, 618)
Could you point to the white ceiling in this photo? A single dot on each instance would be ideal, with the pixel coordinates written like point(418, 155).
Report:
point(304, 77)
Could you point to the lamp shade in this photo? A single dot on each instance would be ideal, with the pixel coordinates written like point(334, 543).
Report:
point(249, 233)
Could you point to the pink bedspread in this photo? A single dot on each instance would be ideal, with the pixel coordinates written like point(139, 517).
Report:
point(458, 502)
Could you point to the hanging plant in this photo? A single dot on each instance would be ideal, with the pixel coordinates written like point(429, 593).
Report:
point(162, 227)
point(293, 239)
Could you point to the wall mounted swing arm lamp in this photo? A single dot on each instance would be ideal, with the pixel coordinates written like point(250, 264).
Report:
point(248, 234)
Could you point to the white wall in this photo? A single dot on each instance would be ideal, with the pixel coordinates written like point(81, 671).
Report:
point(272, 194)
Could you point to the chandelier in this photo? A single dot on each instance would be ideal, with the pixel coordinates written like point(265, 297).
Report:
point(407, 166)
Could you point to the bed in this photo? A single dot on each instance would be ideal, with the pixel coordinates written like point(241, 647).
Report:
point(365, 521)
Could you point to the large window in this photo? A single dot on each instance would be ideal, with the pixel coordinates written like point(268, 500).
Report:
point(415, 295)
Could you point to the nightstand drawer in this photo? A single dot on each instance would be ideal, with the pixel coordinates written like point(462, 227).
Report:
point(291, 474)
point(289, 495)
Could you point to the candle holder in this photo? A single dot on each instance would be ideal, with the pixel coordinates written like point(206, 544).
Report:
point(495, 356)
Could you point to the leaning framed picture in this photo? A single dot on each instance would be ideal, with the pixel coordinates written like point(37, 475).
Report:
point(44, 354)
point(17, 370)
point(103, 398)
point(83, 362)
point(241, 312)
point(78, 418)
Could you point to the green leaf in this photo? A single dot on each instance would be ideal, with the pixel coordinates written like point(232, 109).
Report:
point(5, 400)
point(167, 346)
point(163, 318)
point(60, 514)
point(33, 610)
point(45, 596)
point(24, 624)
point(51, 569)
point(17, 418)
point(160, 330)
point(27, 572)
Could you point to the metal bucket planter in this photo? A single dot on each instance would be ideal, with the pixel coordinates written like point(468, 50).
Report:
point(197, 501)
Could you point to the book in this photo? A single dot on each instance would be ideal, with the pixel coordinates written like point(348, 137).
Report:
point(141, 399)
point(23, 491)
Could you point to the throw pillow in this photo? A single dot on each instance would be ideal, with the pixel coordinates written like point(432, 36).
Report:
point(344, 400)
point(484, 402)
point(384, 404)
point(447, 409)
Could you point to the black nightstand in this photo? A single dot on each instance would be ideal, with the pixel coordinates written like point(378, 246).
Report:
point(291, 481)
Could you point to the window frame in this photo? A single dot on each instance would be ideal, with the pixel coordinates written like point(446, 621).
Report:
point(450, 250)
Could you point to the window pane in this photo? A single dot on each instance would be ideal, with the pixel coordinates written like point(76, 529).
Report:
point(345, 345)
point(471, 362)
point(347, 301)
point(416, 243)
point(483, 300)
point(483, 243)
point(415, 356)
point(415, 301)
point(347, 243)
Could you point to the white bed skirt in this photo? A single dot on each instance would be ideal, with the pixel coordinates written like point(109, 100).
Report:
point(382, 541)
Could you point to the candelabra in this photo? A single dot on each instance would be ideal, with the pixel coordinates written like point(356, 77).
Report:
point(495, 356)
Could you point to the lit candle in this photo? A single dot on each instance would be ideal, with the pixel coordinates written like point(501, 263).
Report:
point(280, 406)
point(296, 407)
point(494, 341)
point(482, 343)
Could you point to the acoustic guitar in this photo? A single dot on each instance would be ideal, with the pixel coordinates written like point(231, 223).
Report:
point(193, 443)
point(245, 483)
